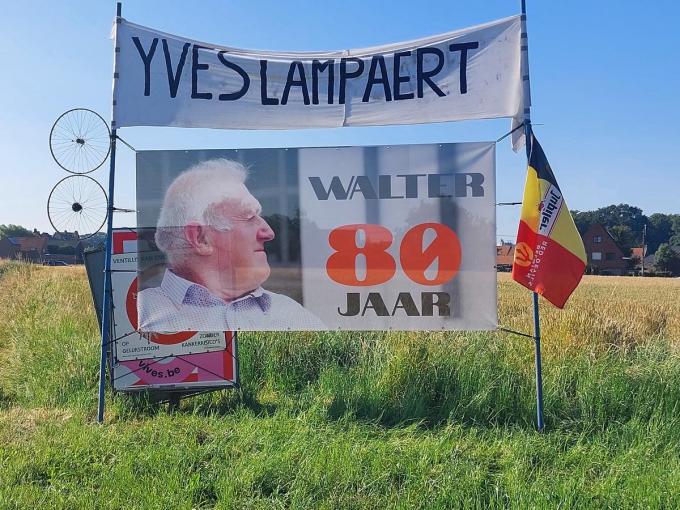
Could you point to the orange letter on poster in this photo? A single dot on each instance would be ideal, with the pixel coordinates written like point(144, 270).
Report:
point(341, 265)
point(445, 248)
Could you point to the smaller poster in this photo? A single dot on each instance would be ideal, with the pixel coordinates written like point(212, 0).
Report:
point(129, 343)
point(183, 360)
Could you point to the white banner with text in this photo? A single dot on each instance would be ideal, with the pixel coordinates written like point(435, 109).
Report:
point(166, 80)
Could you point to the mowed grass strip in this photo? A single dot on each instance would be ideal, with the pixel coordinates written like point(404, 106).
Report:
point(364, 420)
point(246, 460)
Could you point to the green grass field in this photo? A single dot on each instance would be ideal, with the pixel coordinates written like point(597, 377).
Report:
point(394, 420)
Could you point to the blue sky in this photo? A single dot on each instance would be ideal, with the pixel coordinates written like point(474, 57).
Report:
point(605, 81)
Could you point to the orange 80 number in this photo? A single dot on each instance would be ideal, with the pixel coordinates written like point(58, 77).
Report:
point(415, 259)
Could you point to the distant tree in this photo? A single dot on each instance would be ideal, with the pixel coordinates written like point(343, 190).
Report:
point(667, 259)
point(612, 216)
point(14, 231)
point(583, 220)
point(675, 221)
point(659, 230)
point(624, 237)
point(675, 229)
point(623, 214)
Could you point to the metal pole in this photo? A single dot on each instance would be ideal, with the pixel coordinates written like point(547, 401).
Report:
point(106, 304)
point(527, 134)
point(237, 368)
point(539, 371)
point(644, 251)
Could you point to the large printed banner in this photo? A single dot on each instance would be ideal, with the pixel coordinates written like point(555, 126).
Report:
point(166, 80)
point(348, 238)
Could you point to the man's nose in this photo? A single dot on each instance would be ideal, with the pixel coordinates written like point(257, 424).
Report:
point(265, 232)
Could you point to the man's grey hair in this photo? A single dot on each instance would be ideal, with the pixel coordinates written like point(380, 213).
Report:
point(192, 197)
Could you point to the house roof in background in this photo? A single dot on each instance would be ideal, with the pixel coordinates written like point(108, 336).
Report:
point(32, 243)
point(505, 253)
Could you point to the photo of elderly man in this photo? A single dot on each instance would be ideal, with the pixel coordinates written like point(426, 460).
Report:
point(213, 236)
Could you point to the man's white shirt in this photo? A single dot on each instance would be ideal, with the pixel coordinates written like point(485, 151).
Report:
point(182, 305)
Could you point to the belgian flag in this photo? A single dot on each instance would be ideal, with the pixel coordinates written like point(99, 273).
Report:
point(549, 255)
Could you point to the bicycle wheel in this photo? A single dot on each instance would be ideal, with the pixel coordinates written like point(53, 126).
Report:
point(77, 203)
point(80, 141)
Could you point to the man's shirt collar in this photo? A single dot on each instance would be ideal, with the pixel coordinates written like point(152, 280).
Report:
point(184, 292)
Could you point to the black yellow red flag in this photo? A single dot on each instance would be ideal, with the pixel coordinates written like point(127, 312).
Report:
point(549, 255)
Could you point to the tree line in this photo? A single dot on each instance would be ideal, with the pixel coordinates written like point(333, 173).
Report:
point(14, 231)
point(628, 225)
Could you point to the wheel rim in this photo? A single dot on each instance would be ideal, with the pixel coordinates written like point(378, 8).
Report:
point(77, 203)
point(80, 141)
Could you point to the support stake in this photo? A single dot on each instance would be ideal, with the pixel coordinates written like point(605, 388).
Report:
point(106, 301)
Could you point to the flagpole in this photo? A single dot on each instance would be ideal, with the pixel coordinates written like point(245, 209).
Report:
point(106, 301)
point(527, 135)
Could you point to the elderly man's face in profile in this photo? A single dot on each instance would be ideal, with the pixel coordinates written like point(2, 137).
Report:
point(237, 254)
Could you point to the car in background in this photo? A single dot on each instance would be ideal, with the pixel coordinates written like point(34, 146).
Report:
point(55, 263)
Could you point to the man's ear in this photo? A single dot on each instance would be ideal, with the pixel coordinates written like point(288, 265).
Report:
point(198, 238)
